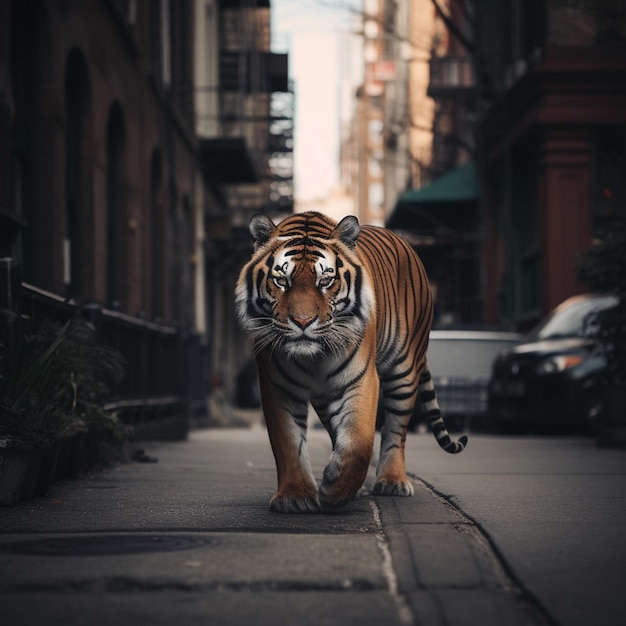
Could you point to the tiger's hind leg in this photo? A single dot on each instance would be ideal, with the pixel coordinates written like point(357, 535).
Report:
point(400, 393)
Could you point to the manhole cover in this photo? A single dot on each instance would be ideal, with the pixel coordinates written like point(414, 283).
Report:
point(102, 545)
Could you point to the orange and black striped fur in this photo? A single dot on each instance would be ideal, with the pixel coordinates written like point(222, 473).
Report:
point(337, 311)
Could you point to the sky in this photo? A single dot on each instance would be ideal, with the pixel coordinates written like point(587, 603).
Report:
point(310, 32)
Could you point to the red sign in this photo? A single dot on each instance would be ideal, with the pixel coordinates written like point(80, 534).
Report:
point(384, 70)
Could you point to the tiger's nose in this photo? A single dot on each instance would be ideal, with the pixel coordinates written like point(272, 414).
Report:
point(302, 322)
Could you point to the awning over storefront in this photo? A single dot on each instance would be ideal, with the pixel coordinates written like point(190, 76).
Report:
point(446, 205)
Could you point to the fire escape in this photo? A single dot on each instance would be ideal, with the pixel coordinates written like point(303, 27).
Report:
point(452, 87)
point(250, 158)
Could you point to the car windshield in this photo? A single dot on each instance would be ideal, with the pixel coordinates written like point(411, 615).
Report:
point(573, 319)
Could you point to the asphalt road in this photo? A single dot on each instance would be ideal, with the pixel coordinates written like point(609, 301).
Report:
point(513, 531)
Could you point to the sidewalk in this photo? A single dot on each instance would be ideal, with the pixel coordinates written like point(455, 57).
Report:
point(191, 540)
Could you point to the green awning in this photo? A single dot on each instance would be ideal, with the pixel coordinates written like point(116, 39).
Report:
point(459, 185)
point(435, 205)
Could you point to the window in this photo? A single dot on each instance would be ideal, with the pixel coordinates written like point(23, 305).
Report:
point(608, 181)
point(115, 205)
point(155, 258)
point(77, 114)
point(25, 85)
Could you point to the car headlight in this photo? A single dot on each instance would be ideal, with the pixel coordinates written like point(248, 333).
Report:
point(559, 363)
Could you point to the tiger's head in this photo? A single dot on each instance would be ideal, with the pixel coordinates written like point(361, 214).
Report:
point(305, 291)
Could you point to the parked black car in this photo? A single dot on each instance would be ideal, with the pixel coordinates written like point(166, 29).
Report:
point(551, 382)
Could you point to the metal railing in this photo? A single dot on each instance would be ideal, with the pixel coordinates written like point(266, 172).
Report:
point(164, 379)
point(451, 75)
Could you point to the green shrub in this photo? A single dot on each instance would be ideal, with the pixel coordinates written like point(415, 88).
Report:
point(59, 375)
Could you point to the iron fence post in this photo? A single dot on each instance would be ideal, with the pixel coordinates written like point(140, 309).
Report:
point(92, 313)
point(10, 284)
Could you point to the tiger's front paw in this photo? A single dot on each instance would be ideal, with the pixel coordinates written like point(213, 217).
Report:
point(337, 488)
point(295, 503)
point(383, 487)
point(334, 498)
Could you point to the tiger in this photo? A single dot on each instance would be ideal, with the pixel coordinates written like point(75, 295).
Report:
point(338, 313)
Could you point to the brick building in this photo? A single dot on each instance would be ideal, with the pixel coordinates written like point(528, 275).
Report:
point(134, 143)
point(99, 175)
point(530, 98)
point(552, 88)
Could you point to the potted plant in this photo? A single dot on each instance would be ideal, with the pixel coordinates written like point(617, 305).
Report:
point(603, 268)
point(52, 388)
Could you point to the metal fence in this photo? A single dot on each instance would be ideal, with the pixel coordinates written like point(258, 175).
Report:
point(166, 371)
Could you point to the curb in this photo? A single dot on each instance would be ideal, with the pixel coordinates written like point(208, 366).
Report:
point(447, 569)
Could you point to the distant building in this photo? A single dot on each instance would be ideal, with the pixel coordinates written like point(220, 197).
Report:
point(244, 108)
point(517, 149)
point(437, 208)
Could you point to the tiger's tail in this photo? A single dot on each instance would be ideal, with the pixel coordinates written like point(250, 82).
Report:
point(428, 398)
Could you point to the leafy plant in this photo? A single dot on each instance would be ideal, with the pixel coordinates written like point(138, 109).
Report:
point(603, 268)
point(58, 376)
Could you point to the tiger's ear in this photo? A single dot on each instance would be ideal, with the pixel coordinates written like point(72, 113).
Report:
point(348, 230)
point(261, 229)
